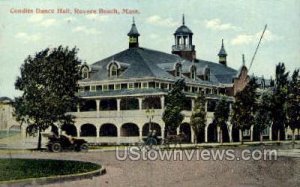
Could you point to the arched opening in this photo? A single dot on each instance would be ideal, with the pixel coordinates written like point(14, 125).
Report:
point(275, 130)
point(69, 129)
point(152, 102)
point(129, 129)
point(212, 133)
point(186, 129)
point(225, 134)
point(129, 103)
point(108, 129)
point(88, 105)
point(187, 105)
point(201, 136)
point(235, 134)
point(154, 126)
point(108, 104)
point(88, 130)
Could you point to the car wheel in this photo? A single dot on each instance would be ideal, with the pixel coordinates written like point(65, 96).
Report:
point(56, 147)
point(84, 147)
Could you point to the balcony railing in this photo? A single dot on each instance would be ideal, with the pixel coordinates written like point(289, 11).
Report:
point(183, 47)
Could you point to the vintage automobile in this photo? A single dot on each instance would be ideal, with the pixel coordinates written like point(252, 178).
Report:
point(63, 142)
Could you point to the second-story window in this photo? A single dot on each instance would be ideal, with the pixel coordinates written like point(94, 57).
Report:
point(178, 70)
point(113, 70)
point(85, 73)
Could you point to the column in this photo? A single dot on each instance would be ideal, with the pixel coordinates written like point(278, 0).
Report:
point(178, 130)
point(140, 103)
point(286, 133)
point(118, 104)
point(218, 134)
point(205, 133)
point(118, 134)
point(206, 106)
point(98, 107)
point(251, 133)
point(230, 132)
point(78, 107)
point(97, 131)
point(163, 132)
point(78, 131)
point(141, 134)
point(193, 104)
point(192, 136)
point(240, 135)
point(270, 133)
point(162, 102)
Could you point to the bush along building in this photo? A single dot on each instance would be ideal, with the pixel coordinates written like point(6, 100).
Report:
point(119, 90)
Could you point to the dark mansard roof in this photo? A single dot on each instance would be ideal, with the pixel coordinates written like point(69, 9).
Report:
point(147, 63)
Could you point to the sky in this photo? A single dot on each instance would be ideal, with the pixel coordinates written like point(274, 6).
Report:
point(240, 23)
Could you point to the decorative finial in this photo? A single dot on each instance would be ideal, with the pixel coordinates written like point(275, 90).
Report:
point(243, 60)
point(183, 21)
point(222, 42)
point(133, 22)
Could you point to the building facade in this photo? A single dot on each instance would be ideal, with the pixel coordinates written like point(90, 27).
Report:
point(125, 91)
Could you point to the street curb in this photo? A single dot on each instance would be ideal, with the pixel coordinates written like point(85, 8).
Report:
point(54, 179)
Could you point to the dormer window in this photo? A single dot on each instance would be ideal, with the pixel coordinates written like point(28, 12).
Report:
point(178, 70)
point(113, 71)
point(207, 74)
point(85, 72)
point(193, 72)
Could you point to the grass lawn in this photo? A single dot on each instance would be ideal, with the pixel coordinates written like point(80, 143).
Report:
point(12, 169)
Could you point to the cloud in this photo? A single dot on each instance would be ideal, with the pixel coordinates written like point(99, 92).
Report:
point(216, 24)
point(35, 18)
point(88, 31)
point(254, 38)
point(48, 22)
point(96, 17)
point(157, 20)
point(25, 37)
point(39, 19)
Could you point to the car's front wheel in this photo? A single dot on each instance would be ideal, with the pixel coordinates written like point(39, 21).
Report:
point(56, 147)
point(84, 147)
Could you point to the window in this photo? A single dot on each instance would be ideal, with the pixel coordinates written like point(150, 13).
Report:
point(124, 86)
point(178, 70)
point(130, 86)
point(105, 87)
point(118, 87)
point(157, 85)
point(111, 87)
point(81, 89)
point(193, 72)
point(137, 85)
point(151, 85)
point(113, 72)
point(87, 88)
point(99, 88)
point(93, 88)
point(207, 74)
point(145, 85)
point(85, 73)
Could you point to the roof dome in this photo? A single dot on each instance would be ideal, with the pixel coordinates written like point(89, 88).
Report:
point(183, 29)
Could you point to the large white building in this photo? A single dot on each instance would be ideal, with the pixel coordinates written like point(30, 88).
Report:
point(119, 90)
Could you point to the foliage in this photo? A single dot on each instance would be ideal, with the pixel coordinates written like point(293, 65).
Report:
point(174, 105)
point(12, 169)
point(49, 83)
point(198, 117)
point(263, 115)
point(221, 114)
point(244, 107)
point(293, 103)
point(279, 99)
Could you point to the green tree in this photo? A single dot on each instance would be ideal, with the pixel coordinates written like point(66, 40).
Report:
point(198, 118)
point(244, 107)
point(263, 115)
point(172, 115)
point(293, 103)
point(279, 101)
point(221, 116)
point(49, 83)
